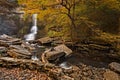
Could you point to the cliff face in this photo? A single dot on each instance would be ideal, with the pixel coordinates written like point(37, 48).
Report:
point(7, 25)
point(9, 22)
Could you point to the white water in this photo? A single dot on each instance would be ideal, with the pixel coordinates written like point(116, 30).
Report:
point(32, 34)
point(33, 30)
point(65, 65)
point(34, 58)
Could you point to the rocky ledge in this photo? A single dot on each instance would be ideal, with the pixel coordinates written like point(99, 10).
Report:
point(16, 62)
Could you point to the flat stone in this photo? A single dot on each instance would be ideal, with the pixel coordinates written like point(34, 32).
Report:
point(115, 66)
point(110, 75)
point(66, 78)
point(6, 40)
point(63, 48)
point(18, 51)
point(3, 49)
point(53, 55)
point(45, 40)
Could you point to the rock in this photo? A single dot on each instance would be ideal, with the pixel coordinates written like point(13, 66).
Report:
point(115, 66)
point(7, 61)
point(57, 42)
point(17, 51)
point(8, 25)
point(2, 43)
point(56, 53)
point(6, 40)
point(53, 55)
point(85, 74)
point(110, 75)
point(45, 40)
point(98, 47)
point(27, 46)
point(66, 78)
point(3, 49)
point(63, 48)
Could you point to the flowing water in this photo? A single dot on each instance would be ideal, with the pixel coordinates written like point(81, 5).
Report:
point(32, 35)
point(33, 30)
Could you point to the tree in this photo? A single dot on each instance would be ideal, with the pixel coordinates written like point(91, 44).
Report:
point(105, 13)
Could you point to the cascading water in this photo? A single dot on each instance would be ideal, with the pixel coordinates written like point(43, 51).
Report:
point(33, 30)
point(32, 35)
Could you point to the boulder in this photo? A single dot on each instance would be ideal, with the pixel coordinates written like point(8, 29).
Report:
point(18, 51)
point(56, 53)
point(63, 48)
point(110, 75)
point(115, 66)
point(53, 55)
point(45, 40)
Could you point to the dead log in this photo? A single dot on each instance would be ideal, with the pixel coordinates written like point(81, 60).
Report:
point(43, 58)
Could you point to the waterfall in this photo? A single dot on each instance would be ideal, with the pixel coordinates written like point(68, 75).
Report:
point(32, 34)
point(34, 27)
point(33, 30)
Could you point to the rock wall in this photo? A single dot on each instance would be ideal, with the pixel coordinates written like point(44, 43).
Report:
point(9, 24)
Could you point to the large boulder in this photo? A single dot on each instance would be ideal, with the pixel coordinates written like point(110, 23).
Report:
point(115, 66)
point(110, 75)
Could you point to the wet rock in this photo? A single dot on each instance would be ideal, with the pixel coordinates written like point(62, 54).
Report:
point(27, 46)
point(110, 75)
point(115, 66)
